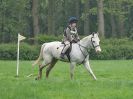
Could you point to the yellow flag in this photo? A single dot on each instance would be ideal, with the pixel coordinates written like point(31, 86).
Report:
point(20, 37)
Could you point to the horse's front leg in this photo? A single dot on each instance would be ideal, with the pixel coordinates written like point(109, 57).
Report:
point(87, 66)
point(72, 67)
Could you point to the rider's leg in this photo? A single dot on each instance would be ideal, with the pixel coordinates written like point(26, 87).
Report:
point(67, 45)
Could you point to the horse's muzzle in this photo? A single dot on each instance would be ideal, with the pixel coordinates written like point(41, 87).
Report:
point(98, 50)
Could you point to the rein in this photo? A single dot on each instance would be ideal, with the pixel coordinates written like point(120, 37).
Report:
point(87, 49)
point(82, 51)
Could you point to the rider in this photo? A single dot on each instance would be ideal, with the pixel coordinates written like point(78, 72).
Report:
point(70, 35)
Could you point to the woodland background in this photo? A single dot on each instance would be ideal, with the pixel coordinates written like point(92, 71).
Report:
point(45, 20)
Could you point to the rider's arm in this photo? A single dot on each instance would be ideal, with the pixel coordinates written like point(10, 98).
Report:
point(77, 36)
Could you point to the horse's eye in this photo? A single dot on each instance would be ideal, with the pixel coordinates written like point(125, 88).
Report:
point(93, 41)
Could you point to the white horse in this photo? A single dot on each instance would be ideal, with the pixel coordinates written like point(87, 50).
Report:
point(50, 52)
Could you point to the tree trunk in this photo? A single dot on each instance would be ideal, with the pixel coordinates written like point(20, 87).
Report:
point(51, 20)
point(36, 28)
point(112, 20)
point(77, 13)
point(86, 18)
point(120, 23)
point(3, 22)
point(120, 27)
point(113, 26)
point(100, 18)
point(77, 8)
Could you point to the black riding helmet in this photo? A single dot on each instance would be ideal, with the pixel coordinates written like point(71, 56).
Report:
point(72, 20)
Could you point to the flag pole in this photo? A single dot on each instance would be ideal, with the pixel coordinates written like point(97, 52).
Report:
point(20, 38)
point(18, 56)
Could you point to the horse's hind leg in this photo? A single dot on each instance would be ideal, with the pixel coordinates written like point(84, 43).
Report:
point(40, 70)
point(50, 67)
point(47, 60)
point(72, 67)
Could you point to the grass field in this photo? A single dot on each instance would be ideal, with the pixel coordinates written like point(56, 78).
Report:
point(115, 81)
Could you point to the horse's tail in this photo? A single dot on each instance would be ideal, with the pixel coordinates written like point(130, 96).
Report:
point(40, 56)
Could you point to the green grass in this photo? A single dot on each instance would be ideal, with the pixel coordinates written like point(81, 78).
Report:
point(115, 81)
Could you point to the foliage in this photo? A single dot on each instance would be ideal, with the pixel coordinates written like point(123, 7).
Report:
point(114, 49)
point(111, 49)
point(48, 38)
point(27, 52)
point(16, 17)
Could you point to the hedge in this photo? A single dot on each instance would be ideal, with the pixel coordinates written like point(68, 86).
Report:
point(27, 52)
point(111, 49)
point(114, 49)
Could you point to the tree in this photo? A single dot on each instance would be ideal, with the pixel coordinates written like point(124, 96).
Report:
point(77, 5)
point(86, 18)
point(51, 17)
point(2, 19)
point(100, 18)
point(35, 17)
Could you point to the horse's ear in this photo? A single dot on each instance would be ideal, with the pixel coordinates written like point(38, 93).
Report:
point(93, 33)
point(97, 33)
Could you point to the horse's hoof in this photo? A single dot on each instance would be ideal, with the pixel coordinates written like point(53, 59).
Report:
point(46, 77)
point(95, 79)
point(36, 78)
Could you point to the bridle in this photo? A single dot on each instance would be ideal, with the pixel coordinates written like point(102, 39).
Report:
point(87, 49)
point(93, 44)
point(83, 52)
point(84, 48)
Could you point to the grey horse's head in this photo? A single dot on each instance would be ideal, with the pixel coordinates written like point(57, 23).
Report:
point(95, 41)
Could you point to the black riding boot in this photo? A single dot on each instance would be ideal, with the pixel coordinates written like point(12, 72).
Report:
point(62, 55)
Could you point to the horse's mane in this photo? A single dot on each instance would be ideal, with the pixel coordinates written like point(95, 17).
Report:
point(86, 38)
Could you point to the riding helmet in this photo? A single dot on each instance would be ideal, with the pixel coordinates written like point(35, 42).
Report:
point(72, 20)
